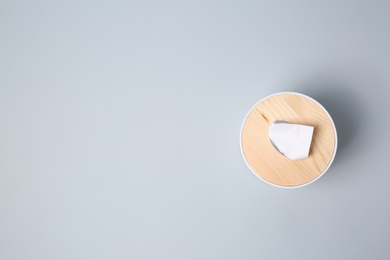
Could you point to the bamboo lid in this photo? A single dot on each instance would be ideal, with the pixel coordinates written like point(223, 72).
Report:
point(270, 165)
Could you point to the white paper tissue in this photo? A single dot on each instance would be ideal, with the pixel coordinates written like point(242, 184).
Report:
point(291, 140)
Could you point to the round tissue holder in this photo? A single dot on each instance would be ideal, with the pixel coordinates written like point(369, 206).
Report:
point(268, 163)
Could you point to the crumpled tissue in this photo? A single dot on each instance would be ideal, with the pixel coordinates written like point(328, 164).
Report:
point(291, 140)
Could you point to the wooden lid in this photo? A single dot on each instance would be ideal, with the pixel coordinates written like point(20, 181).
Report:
point(270, 165)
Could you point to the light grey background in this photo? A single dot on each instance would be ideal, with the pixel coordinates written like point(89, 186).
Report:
point(120, 121)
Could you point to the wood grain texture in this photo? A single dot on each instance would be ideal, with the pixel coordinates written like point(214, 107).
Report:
point(266, 161)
